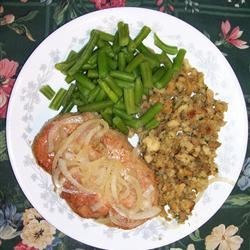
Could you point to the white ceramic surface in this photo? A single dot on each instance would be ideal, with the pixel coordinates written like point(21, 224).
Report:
point(28, 110)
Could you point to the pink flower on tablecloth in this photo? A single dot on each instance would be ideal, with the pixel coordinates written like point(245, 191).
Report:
point(1, 9)
point(22, 246)
point(161, 5)
point(7, 19)
point(7, 72)
point(231, 36)
point(104, 4)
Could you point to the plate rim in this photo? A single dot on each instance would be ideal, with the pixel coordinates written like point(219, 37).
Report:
point(50, 36)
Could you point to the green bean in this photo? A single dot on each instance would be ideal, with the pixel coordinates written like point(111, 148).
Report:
point(64, 66)
point(178, 60)
point(69, 79)
point(79, 102)
point(122, 114)
point(84, 92)
point(68, 95)
point(120, 125)
point(112, 73)
point(158, 74)
point(134, 123)
point(88, 66)
point(153, 61)
point(146, 74)
point(124, 84)
point(101, 43)
point(92, 73)
point(123, 32)
point(171, 50)
point(93, 57)
point(145, 50)
point(150, 113)
point(102, 64)
point(145, 91)
point(137, 72)
point(152, 124)
point(93, 94)
point(120, 104)
point(105, 36)
point(101, 96)
point(116, 47)
point(67, 108)
point(110, 52)
point(121, 61)
point(72, 55)
point(163, 58)
point(137, 60)
point(133, 44)
point(112, 84)
point(165, 79)
point(125, 76)
point(84, 81)
point(57, 100)
point(138, 91)
point(110, 93)
point(129, 100)
point(107, 115)
point(85, 55)
point(149, 54)
point(129, 57)
point(95, 107)
point(112, 64)
point(47, 91)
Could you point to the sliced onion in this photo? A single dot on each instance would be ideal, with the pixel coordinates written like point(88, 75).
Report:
point(137, 187)
point(72, 191)
point(221, 179)
point(78, 119)
point(57, 181)
point(114, 187)
point(119, 220)
point(213, 180)
point(65, 144)
point(147, 193)
point(149, 213)
point(124, 184)
point(96, 206)
point(62, 166)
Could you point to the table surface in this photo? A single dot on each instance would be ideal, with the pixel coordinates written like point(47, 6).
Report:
point(23, 26)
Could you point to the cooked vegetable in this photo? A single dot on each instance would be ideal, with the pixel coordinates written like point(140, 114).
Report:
point(146, 74)
point(47, 91)
point(144, 32)
point(85, 55)
point(117, 121)
point(56, 102)
point(115, 71)
point(123, 34)
point(110, 93)
point(172, 50)
point(95, 107)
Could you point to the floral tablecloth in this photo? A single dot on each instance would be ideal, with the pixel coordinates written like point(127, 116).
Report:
point(25, 23)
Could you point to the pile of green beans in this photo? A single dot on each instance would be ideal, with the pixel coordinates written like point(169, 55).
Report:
point(111, 74)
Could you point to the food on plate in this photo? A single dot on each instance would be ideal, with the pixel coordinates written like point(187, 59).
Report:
point(182, 149)
point(96, 170)
point(112, 72)
point(117, 83)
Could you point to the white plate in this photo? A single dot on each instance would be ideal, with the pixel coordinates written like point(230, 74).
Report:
point(28, 111)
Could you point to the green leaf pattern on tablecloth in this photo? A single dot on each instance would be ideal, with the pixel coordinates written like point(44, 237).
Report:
point(223, 32)
point(3, 147)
